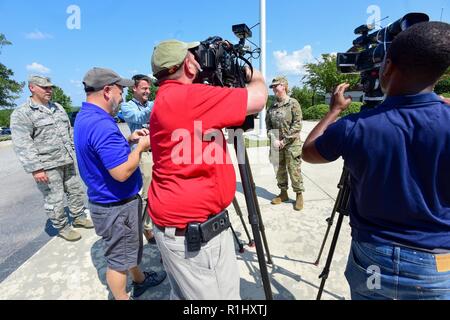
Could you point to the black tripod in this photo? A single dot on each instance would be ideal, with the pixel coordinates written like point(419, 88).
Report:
point(254, 212)
point(251, 242)
point(341, 206)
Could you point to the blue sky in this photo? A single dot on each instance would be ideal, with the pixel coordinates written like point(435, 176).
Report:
point(122, 34)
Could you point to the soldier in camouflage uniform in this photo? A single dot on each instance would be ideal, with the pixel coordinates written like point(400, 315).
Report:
point(43, 141)
point(284, 123)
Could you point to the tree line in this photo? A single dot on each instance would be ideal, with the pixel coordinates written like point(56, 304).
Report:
point(321, 78)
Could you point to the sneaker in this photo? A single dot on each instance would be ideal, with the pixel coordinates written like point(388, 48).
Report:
point(83, 222)
point(152, 279)
point(69, 234)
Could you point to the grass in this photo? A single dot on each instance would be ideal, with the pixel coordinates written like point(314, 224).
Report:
point(5, 138)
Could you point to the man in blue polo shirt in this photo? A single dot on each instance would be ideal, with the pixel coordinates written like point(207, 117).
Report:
point(398, 158)
point(110, 171)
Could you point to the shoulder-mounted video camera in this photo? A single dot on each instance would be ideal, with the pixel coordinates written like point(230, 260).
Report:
point(369, 51)
point(222, 62)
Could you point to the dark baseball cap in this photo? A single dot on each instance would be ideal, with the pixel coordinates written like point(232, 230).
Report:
point(97, 78)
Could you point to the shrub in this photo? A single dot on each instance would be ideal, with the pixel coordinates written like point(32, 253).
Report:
point(316, 112)
point(355, 107)
point(443, 86)
point(319, 111)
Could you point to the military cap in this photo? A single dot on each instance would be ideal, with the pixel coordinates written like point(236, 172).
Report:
point(97, 78)
point(279, 80)
point(40, 81)
point(169, 55)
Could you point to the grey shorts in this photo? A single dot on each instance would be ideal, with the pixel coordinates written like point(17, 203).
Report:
point(121, 230)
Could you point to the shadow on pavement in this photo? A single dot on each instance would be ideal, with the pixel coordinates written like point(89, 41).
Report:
point(151, 260)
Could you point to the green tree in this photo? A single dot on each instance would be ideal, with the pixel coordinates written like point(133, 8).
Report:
point(270, 101)
point(322, 77)
point(304, 96)
point(5, 116)
point(60, 97)
point(9, 88)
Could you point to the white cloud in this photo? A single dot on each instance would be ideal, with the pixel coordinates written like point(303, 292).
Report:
point(77, 83)
point(39, 68)
point(38, 35)
point(294, 63)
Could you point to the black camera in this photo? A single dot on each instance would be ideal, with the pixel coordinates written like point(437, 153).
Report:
point(369, 50)
point(223, 63)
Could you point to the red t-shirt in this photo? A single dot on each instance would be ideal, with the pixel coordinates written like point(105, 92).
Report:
point(193, 176)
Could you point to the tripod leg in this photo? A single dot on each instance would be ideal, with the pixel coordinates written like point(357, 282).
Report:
point(342, 208)
point(338, 204)
point(258, 211)
point(251, 243)
point(239, 243)
point(144, 213)
point(326, 270)
point(250, 196)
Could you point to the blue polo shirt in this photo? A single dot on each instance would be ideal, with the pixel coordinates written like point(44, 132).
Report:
point(100, 147)
point(398, 156)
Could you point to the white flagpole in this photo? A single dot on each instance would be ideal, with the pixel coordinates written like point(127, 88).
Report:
point(262, 116)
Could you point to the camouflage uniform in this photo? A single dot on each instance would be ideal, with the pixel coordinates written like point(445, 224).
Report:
point(284, 122)
point(43, 140)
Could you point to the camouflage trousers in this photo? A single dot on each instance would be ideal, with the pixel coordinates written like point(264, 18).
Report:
point(288, 161)
point(146, 167)
point(62, 180)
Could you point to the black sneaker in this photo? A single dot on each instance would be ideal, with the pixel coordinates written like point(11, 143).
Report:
point(152, 279)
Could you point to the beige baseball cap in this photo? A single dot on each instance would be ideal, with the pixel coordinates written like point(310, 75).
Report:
point(97, 78)
point(40, 81)
point(279, 80)
point(169, 55)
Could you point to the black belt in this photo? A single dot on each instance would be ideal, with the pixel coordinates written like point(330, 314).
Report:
point(178, 232)
point(116, 204)
point(200, 233)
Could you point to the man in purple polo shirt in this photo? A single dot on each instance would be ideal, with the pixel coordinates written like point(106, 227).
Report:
point(110, 171)
point(398, 158)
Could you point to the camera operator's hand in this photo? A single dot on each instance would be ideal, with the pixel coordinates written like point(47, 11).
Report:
point(339, 102)
point(248, 74)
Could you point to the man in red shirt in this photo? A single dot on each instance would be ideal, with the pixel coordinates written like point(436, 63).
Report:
point(193, 177)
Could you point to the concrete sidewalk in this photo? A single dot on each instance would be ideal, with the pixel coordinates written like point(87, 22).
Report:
point(76, 271)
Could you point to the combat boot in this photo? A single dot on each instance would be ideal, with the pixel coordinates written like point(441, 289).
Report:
point(283, 197)
point(83, 222)
point(69, 234)
point(299, 202)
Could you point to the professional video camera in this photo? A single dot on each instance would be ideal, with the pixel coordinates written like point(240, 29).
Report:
point(223, 63)
point(369, 51)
